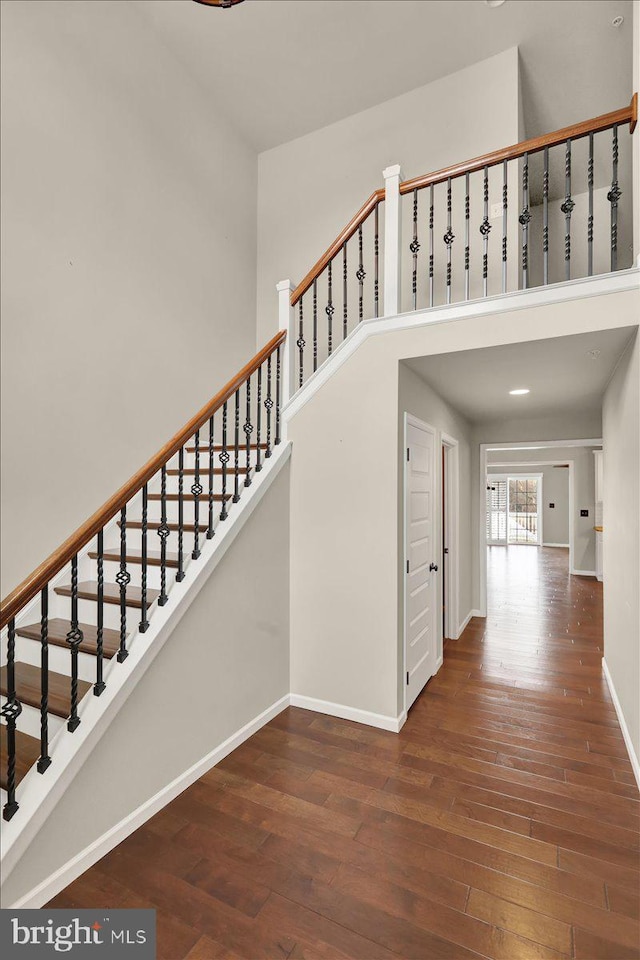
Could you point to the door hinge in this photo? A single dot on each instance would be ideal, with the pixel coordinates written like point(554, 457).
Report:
point(407, 678)
point(407, 566)
point(408, 454)
point(446, 550)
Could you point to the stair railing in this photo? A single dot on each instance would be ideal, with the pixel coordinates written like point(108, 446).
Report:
point(238, 428)
point(539, 191)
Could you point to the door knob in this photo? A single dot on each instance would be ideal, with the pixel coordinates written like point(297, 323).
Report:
point(433, 566)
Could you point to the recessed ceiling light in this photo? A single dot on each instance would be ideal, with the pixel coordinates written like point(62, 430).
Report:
point(493, 3)
point(617, 21)
point(519, 392)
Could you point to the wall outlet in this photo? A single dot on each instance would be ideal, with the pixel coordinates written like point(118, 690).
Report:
point(495, 211)
point(584, 513)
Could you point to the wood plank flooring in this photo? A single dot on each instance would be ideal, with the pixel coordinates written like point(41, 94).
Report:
point(501, 822)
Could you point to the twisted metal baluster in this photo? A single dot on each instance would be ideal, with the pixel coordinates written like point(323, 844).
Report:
point(431, 248)
point(100, 685)
point(248, 430)
point(163, 533)
point(74, 639)
point(467, 257)
point(236, 451)
point(613, 197)
point(524, 219)
point(279, 391)
point(360, 274)
point(144, 623)
point(414, 246)
point(180, 574)
point(224, 460)
point(123, 578)
point(545, 218)
point(376, 252)
point(10, 712)
point(590, 215)
point(44, 760)
point(485, 230)
point(448, 238)
point(259, 422)
point(210, 530)
point(567, 208)
point(329, 310)
point(315, 331)
point(268, 405)
point(505, 200)
point(344, 291)
point(300, 344)
point(196, 490)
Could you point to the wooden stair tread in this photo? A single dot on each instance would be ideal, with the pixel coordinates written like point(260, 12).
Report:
point(154, 557)
point(204, 448)
point(28, 688)
point(88, 590)
point(154, 525)
point(27, 753)
point(58, 630)
point(187, 496)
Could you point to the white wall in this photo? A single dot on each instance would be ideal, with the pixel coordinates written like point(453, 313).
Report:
point(226, 662)
point(555, 489)
point(621, 434)
point(128, 260)
point(310, 188)
point(415, 396)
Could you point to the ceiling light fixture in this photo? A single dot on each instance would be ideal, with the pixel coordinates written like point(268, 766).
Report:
point(219, 3)
point(617, 21)
point(520, 392)
point(493, 3)
point(593, 354)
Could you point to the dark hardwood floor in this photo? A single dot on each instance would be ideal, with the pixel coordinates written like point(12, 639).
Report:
point(501, 822)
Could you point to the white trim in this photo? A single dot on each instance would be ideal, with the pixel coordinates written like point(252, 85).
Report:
point(565, 545)
point(73, 868)
point(580, 289)
point(466, 621)
point(343, 712)
point(39, 794)
point(452, 513)
point(582, 573)
point(621, 720)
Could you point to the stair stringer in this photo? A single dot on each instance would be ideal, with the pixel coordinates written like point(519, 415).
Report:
point(40, 793)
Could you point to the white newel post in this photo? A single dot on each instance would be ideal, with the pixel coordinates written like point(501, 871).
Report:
point(392, 237)
point(286, 321)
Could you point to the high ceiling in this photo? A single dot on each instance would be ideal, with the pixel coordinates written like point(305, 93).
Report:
point(565, 379)
point(282, 68)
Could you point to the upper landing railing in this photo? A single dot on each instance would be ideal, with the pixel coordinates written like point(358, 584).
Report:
point(538, 212)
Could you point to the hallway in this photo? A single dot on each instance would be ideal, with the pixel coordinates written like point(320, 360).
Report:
point(501, 822)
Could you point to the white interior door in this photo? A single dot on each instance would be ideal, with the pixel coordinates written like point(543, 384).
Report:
point(421, 596)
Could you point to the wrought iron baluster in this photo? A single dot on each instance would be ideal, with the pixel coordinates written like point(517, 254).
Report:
point(10, 712)
point(414, 246)
point(163, 533)
point(44, 760)
point(268, 405)
point(100, 685)
point(505, 200)
point(224, 460)
point(590, 214)
point(248, 430)
point(196, 490)
point(123, 578)
point(259, 422)
point(448, 238)
point(74, 639)
point(613, 197)
point(431, 247)
point(300, 344)
point(180, 574)
point(279, 391)
point(315, 331)
point(485, 230)
point(524, 219)
point(467, 259)
point(329, 310)
point(545, 218)
point(567, 208)
point(360, 274)
point(236, 450)
point(210, 530)
point(345, 313)
point(144, 623)
point(376, 253)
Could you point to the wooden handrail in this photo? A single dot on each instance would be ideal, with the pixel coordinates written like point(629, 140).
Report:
point(534, 145)
point(41, 576)
point(336, 246)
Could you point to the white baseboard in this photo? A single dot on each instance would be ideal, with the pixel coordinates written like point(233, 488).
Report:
point(465, 622)
point(380, 720)
point(72, 869)
point(583, 573)
point(623, 723)
point(564, 545)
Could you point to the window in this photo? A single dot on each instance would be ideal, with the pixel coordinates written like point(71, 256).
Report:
point(514, 510)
